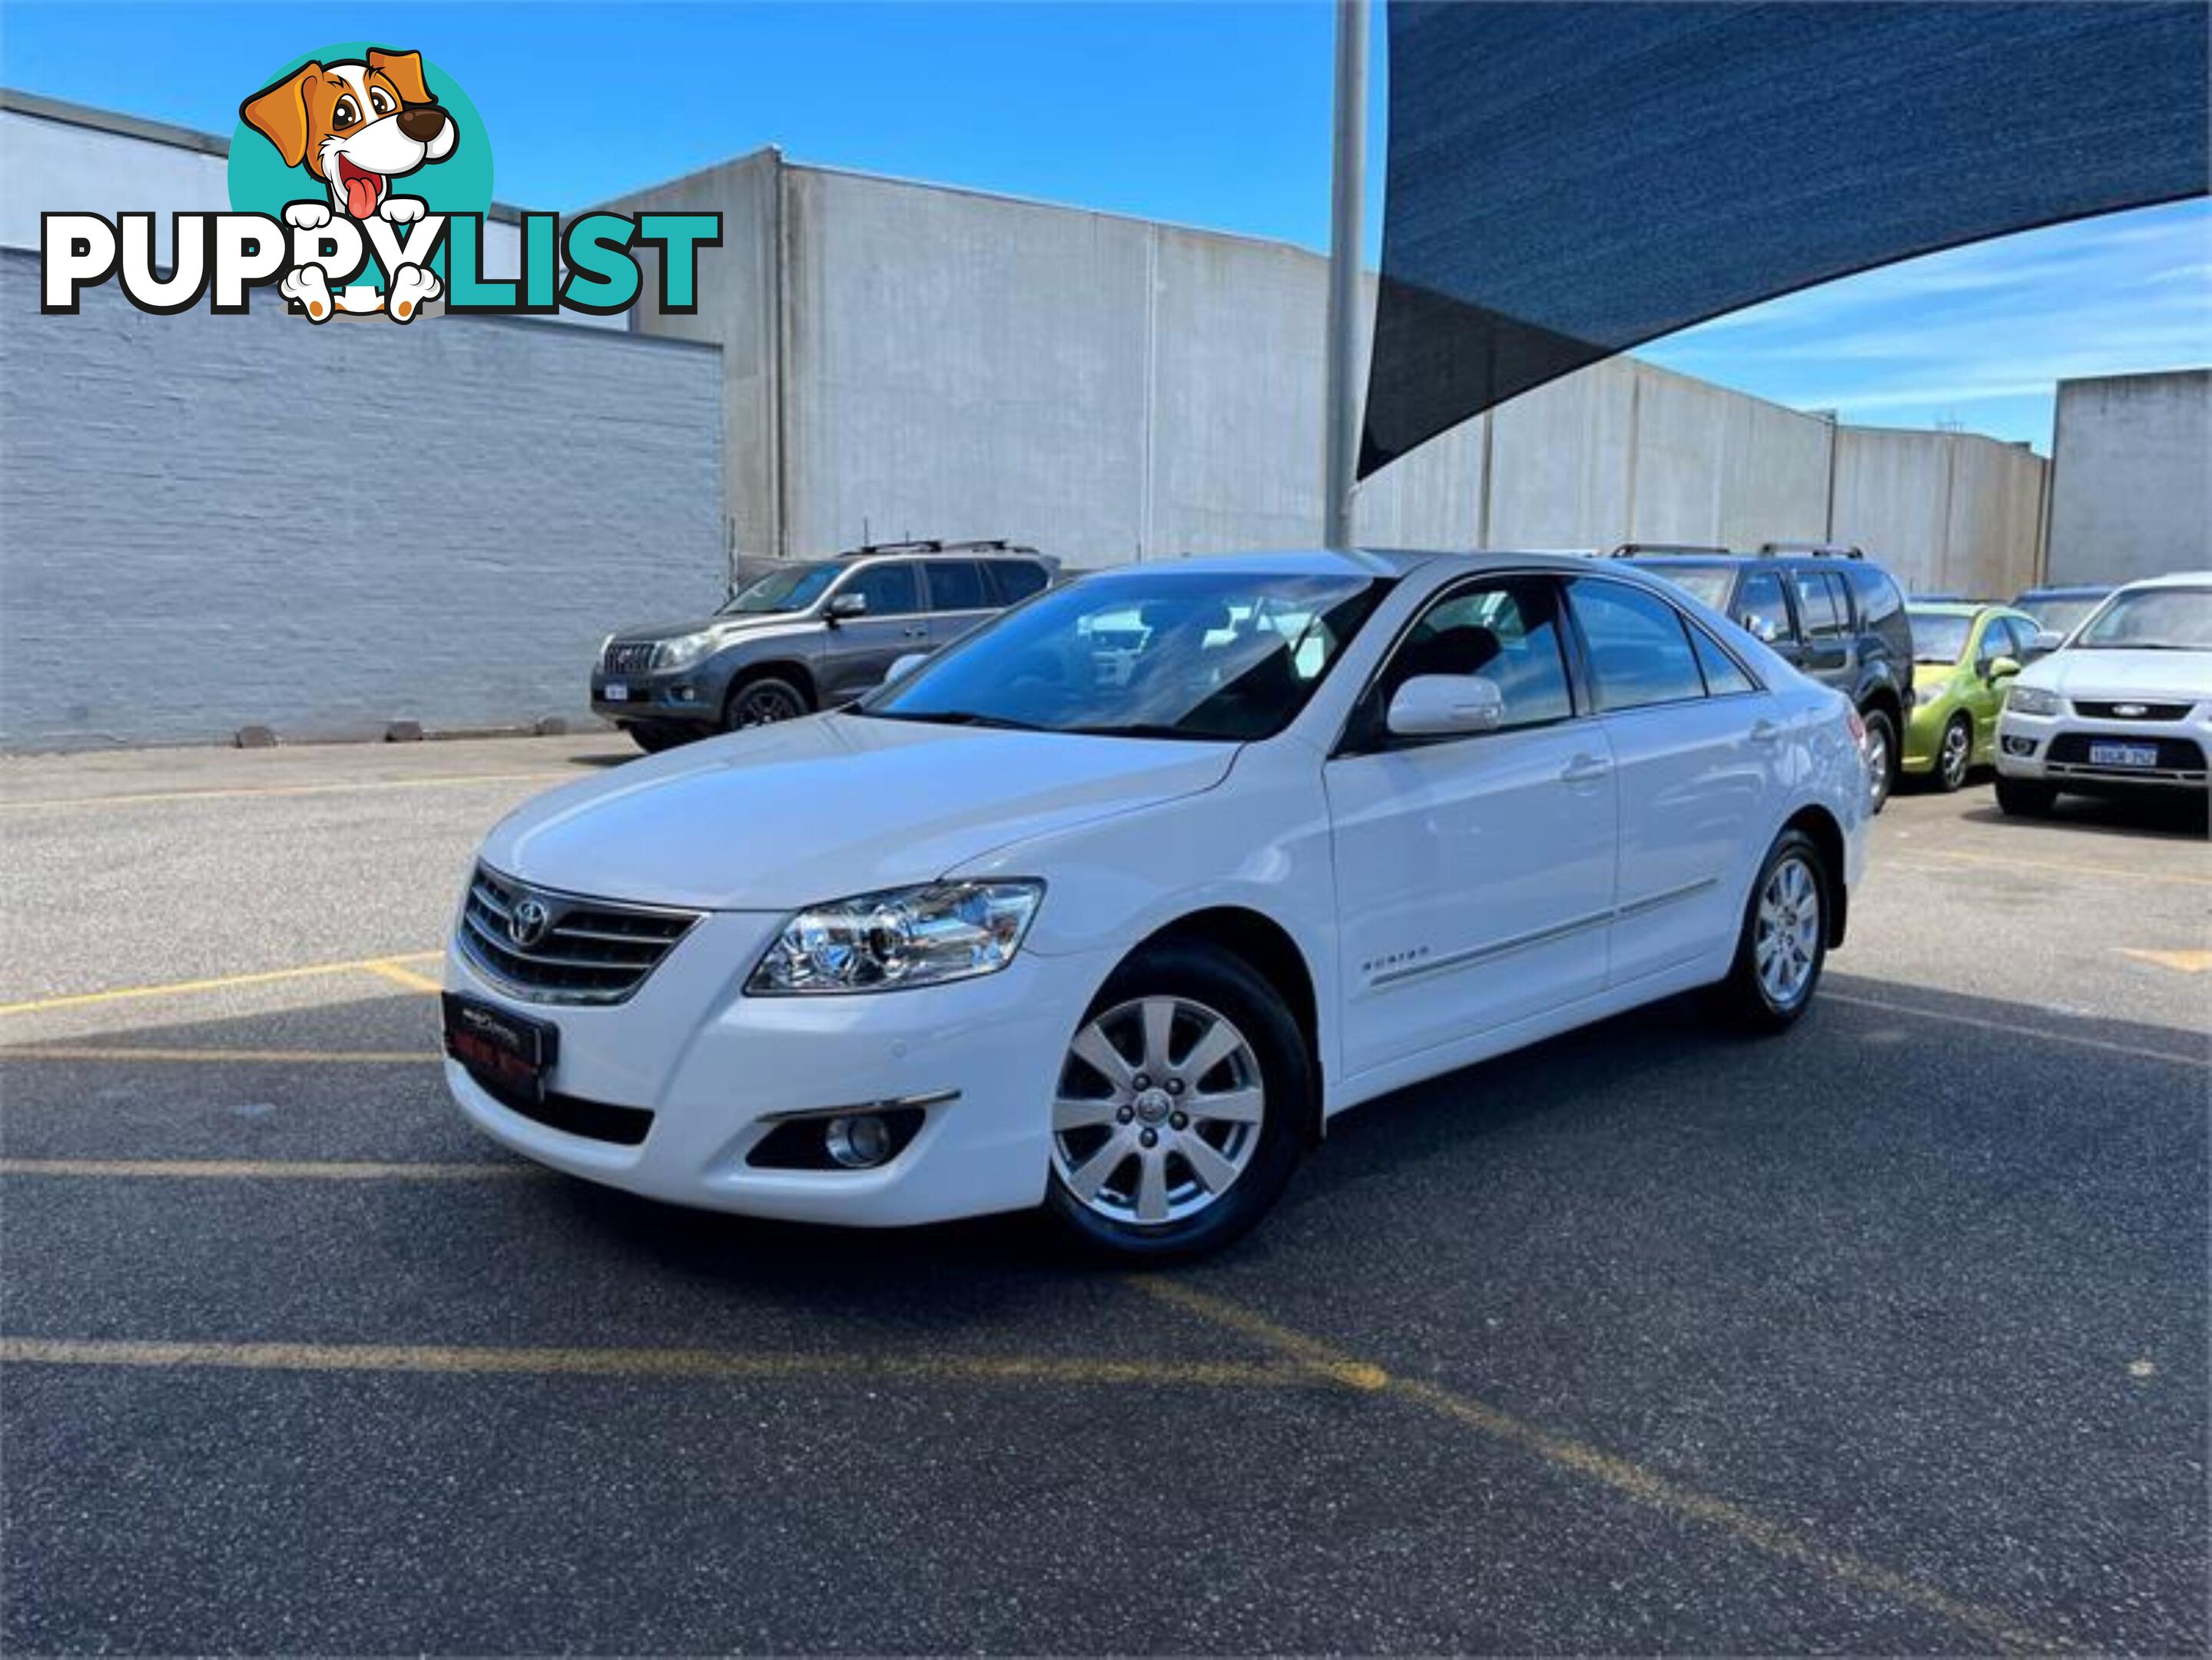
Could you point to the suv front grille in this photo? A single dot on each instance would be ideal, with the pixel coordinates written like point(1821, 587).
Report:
point(2134, 710)
point(578, 950)
point(629, 657)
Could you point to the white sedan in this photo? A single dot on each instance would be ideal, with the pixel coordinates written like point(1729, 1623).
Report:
point(1112, 906)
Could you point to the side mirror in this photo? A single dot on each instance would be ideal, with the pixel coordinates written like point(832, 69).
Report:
point(1765, 629)
point(2003, 668)
point(1446, 706)
point(849, 604)
point(902, 667)
point(2044, 643)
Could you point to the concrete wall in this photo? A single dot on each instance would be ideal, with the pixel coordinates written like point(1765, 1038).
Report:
point(211, 522)
point(2131, 476)
point(1949, 512)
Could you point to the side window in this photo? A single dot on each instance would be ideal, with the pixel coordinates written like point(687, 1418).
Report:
point(1507, 629)
point(1816, 604)
point(1723, 674)
point(1639, 653)
point(1015, 580)
point(1878, 600)
point(958, 585)
point(891, 590)
point(2004, 637)
point(1760, 608)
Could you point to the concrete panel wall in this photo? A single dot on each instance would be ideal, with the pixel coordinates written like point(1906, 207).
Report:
point(2131, 477)
point(211, 522)
point(1893, 498)
point(1992, 543)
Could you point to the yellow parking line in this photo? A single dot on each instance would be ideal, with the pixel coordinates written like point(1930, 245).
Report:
point(459, 780)
point(2071, 867)
point(248, 1170)
point(221, 1057)
point(406, 977)
point(1631, 1479)
point(733, 1366)
point(221, 983)
point(2041, 1034)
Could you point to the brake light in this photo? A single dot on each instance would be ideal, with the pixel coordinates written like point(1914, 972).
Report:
point(1858, 726)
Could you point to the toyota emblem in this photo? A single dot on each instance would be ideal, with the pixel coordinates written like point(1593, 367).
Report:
point(527, 922)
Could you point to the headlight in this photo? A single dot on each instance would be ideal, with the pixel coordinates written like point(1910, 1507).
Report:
point(1931, 692)
point(2031, 700)
point(902, 936)
point(683, 652)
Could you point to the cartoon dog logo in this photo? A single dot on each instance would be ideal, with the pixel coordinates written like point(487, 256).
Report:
point(356, 125)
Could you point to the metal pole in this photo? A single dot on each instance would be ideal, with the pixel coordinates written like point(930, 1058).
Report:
point(1341, 417)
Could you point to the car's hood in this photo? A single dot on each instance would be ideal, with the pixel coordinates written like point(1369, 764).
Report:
point(2097, 672)
point(789, 815)
point(744, 624)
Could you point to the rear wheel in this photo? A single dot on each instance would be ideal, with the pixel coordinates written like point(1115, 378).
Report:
point(1784, 943)
point(1881, 758)
point(1954, 754)
point(762, 701)
point(1181, 1108)
point(2025, 798)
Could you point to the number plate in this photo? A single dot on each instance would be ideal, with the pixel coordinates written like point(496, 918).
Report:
point(617, 691)
point(507, 1051)
point(2122, 755)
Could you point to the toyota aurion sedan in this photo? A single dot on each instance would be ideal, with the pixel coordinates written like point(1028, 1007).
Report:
point(1108, 908)
point(2123, 706)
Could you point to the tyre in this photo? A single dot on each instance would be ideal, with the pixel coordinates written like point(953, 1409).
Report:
point(2024, 798)
point(1181, 1108)
point(763, 701)
point(1784, 944)
point(653, 737)
point(1954, 754)
point(1882, 757)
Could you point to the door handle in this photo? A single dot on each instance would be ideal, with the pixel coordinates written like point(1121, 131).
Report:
point(1586, 770)
point(915, 633)
point(1766, 732)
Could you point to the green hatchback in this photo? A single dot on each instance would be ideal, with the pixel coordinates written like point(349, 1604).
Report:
point(1963, 655)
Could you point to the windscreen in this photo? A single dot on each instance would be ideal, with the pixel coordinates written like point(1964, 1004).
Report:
point(2152, 619)
point(1708, 585)
point(1165, 655)
point(2061, 616)
point(1939, 636)
point(782, 590)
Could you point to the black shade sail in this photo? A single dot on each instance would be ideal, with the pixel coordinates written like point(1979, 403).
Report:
point(1569, 181)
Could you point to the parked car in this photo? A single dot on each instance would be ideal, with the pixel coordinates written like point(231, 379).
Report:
point(1828, 611)
point(805, 635)
point(1963, 656)
point(2058, 611)
point(1109, 907)
point(2124, 706)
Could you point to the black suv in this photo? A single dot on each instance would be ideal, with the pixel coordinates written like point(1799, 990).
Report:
point(807, 635)
point(1829, 609)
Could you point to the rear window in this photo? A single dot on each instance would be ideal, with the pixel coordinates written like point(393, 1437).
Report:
point(1878, 600)
point(1015, 580)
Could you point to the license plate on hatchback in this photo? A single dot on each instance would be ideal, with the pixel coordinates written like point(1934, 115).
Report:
point(506, 1051)
point(617, 691)
point(2122, 755)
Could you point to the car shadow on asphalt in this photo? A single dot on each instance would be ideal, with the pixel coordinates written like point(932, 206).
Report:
point(2173, 816)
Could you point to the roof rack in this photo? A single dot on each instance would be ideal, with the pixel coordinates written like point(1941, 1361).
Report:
point(1817, 550)
point(997, 544)
point(1639, 549)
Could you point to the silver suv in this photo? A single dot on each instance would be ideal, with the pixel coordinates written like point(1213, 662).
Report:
point(807, 635)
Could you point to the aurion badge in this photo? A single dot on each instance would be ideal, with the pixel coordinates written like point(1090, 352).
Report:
point(527, 922)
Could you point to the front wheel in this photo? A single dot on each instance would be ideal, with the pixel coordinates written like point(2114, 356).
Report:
point(2024, 798)
point(762, 701)
point(1784, 942)
point(1880, 758)
point(1181, 1108)
point(1954, 754)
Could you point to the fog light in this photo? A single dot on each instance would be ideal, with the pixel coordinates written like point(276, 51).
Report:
point(2020, 746)
point(858, 1142)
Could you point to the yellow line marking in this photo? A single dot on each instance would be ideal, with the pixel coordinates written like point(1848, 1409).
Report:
point(406, 977)
point(2041, 1034)
point(1623, 1476)
point(221, 1057)
point(713, 1363)
point(2181, 962)
point(248, 1170)
point(221, 983)
point(459, 780)
point(2067, 865)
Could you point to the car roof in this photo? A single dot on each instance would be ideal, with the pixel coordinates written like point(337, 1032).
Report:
point(2178, 579)
point(1388, 562)
point(2068, 591)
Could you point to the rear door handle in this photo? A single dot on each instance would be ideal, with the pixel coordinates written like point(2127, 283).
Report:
point(1586, 770)
point(916, 633)
point(1766, 732)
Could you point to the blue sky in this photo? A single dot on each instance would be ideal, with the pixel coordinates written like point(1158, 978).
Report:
point(1212, 115)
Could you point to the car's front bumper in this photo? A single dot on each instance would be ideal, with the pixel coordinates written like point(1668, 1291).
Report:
point(719, 1070)
point(1923, 734)
point(2055, 750)
point(686, 696)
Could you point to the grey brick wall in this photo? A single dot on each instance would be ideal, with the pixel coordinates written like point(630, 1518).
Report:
point(210, 521)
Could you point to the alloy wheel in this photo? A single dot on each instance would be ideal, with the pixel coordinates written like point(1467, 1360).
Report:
point(1160, 1107)
point(1787, 943)
point(1957, 756)
point(1877, 762)
point(762, 706)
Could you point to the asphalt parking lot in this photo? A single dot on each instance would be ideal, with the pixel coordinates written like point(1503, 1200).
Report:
point(1890, 1334)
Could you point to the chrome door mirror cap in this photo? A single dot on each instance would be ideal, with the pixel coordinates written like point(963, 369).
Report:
point(849, 604)
point(1446, 706)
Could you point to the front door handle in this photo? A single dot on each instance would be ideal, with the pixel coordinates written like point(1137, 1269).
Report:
point(916, 633)
point(1766, 732)
point(1586, 770)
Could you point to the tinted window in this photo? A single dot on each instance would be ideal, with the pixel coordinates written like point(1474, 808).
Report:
point(1015, 579)
point(958, 585)
point(1723, 674)
point(891, 590)
point(1639, 655)
point(1819, 607)
point(1507, 631)
point(1760, 607)
point(1878, 600)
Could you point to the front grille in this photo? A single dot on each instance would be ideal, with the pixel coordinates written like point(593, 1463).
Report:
point(2180, 760)
point(629, 657)
point(2131, 710)
point(583, 951)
